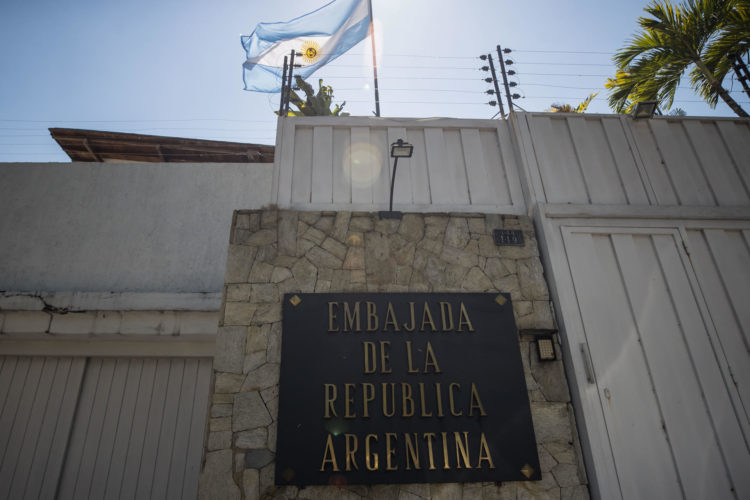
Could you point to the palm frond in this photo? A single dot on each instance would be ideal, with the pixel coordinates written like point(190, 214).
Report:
point(690, 37)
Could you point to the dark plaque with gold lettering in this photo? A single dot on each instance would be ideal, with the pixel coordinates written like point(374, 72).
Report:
point(402, 388)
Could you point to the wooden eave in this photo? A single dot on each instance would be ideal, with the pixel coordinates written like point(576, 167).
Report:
point(98, 146)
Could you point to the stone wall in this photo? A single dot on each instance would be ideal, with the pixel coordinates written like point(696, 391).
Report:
point(274, 252)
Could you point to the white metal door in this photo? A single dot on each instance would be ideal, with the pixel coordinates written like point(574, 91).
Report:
point(37, 405)
point(662, 400)
point(721, 259)
point(102, 427)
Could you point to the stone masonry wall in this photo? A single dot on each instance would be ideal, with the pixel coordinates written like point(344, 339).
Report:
point(274, 252)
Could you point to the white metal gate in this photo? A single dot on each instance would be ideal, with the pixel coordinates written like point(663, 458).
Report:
point(102, 427)
point(661, 355)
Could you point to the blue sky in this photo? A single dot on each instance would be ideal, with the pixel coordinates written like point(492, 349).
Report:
point(173, 68)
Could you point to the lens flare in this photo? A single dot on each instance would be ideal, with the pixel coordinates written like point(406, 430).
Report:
point(354, 240)
point(362, 162)
point(367, 53)
point(336, 426)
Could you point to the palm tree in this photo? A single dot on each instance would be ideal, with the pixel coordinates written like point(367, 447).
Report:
point(674, 40)
point(734, 39)
point(567, 108)
point(315, 104)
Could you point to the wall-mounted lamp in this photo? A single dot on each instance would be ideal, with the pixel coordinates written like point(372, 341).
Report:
point(399, 149)
point(644, 109)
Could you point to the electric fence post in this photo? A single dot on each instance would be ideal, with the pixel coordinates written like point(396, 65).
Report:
point(282, 98)
point(505, 77)
point(491, 67)
point(289, 80)
point(740, 69)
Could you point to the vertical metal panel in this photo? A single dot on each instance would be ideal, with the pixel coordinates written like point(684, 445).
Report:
point(722, 265)
point(558, 164)
point(601, 470)
point(502, 176)
point(600, 174)
point(138, 430)
point(134, 430)
point(63, 428)
point(146, 469)
point(711, 391)
point(76, 476)
point(446, 167)
point(736, 136)
point(639, 446)
point(35, 436)
point(342, 168)
point(712, 153)
point(169, 485)
point(12, 400)
point(284, 161)
point(627, 167)
point(19, 416)
point(322, 165)
point(302, 169)
point(360, 165)
point(509, 176)
point(437, 165)
point(381, 185)
point(529, 168)
point(730, 249)
point(195, 432)
point(666, 340)
point(478, 168)
point(656, 170)
point(113, 410)
point(688, 177)
point(7, 370)
point(23, 451)
point(420, 176)
point(167, 429)
point(122, 435)
point(668, 408)
point(456, 168)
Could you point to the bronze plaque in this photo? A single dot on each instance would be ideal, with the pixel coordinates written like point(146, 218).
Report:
point(402, 388)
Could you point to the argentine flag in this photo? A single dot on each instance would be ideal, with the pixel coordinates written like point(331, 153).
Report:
point(321, 36)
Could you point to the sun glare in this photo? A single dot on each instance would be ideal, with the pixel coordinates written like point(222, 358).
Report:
point(362, 163)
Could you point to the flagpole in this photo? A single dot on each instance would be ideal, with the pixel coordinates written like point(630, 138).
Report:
point(374, 61)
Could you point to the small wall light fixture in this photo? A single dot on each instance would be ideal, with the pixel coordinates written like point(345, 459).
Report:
point(644, 109)
point(399, 149)
point(545, 347)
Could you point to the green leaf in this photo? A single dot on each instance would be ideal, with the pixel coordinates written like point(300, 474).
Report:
point(693, 38)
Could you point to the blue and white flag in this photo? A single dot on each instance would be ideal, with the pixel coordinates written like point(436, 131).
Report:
point(321, 36)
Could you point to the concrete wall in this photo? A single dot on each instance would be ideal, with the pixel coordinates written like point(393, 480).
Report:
point(121, 227)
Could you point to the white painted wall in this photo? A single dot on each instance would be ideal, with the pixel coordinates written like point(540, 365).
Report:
point(679, 187)
point(122, 227)
point(644, 230)
point(615, 160)
point(332, 163)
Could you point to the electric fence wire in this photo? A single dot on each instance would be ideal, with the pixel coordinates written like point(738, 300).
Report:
point(431, 90)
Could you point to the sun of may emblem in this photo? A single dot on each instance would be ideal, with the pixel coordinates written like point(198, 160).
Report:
point(310, 51)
